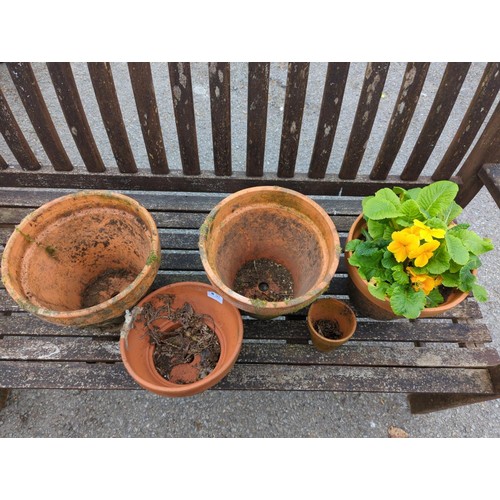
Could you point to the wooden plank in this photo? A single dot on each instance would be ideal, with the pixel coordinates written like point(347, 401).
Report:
point(220, 107)
point(58, 375)
point(109, 106)
point(165, 201)
point(72, 107)
point(331, 104)
point(474, 117)
point(490, 176)
point(208, 182)
point(182, 97)
point(14, 137)
point(486, 150)
point(3, 164)
point(295, 97)
point(27, 87)
point(443, 103)
point(141, 79)
point(409, 95)
point(368, 103)
point(258, 91)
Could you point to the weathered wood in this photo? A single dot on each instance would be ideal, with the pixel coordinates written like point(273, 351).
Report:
point(295, 97)
point(109, 106)
point(443, 103)
point(74, 113)
point(486, 150)
point(27, 87)
point(406, 103)
point(182, 97)
point(141, 79)
point(207, 182)
point(220, 106)
point(368, 103)
point(331, 104)
point(55, 375)
point(428, 403)
point(474, 117)
point(258, 91)
point(490, 176)
point(4, 394)
point(14, 137)
point(3, 163)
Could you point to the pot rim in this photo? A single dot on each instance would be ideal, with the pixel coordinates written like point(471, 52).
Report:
point(80, 313)
point(220, 370)
point(304, 299)
point(334, 301)
point(426, 311)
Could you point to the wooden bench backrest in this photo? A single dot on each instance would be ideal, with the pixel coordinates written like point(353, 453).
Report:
point(188, 176)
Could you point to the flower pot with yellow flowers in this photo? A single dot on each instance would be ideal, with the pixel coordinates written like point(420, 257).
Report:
point(406, 255)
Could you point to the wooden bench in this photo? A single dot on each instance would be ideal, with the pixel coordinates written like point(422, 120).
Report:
point(440, 362)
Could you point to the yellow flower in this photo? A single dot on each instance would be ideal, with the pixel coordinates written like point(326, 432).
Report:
point(423, 253)
point(423, 281)
point(427, 233)
point(402, 244)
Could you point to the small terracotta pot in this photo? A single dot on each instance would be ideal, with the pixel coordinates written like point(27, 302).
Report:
point(331, 310)
point(270, 223)
point(82, 259)
point(372, 307)
point(137, 352)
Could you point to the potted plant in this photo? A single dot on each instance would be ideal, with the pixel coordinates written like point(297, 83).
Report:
point(269, 250)
point(181, 339)
point(408, 257)
point(82, 259)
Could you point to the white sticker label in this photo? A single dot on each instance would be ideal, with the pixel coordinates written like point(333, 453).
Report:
point(216, 297)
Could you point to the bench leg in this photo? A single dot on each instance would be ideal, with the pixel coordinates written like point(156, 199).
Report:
point(4, 394)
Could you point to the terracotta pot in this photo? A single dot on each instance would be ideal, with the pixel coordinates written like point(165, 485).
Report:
point(270, 223)
point(331, 310)
point(82, 259)
point(137, 352)
point(375, 308)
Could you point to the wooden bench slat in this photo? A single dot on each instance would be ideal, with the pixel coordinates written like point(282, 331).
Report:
point(3, 163)
point(14, 137)
point(220, 108)
point(55, 375)
point(295, 97)
point(74, 113)
point(109, 106)
point(486, 150)
point(474, 117)
point(406, 103)
point(446, 95)
point(27, 87)
point(490, 175)
point(182, 97)
point(352, 354)
point(141, 79)
point(258, 92)
point(369, 99)
point(331, 104)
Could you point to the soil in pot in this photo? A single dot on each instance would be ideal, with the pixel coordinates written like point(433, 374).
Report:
point(264, 279)
point(328, 329)
point(189, 350)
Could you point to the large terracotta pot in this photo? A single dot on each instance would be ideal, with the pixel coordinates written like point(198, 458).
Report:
point(137, 351)
point(375, 308)
point(82, 259)
point(270, 223)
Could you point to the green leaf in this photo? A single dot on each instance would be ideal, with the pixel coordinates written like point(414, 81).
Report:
point(434, 298)
point(411, 210)
point(474, 243)
point(451, 212)
point(378, 289)
point(456, 249)
point(439, 262)
point(388, 260)
point(399, 191)
point(376, 229)
point(384, 205)
point(412, 194)
point(399, 275)
point(407, 302)
point(351, 245)
point(451, 280)
point(435, 223)
point(436, 197)
point(467, 279)
point(480, 293)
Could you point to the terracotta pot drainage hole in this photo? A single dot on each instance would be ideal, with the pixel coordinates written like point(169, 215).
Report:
point(106, 286)
point(264, 279)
